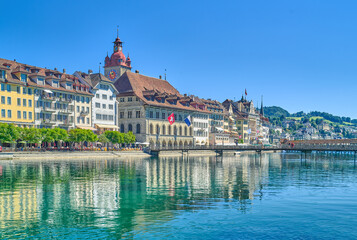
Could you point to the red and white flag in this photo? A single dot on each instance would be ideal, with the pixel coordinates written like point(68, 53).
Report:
point(246, 92)
point(171, 119)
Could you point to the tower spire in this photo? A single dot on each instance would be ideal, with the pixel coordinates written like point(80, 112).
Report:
point(117, 31)
point(261, 107)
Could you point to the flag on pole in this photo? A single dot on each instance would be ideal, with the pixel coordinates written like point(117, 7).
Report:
point(188, 120)
point(171, 119)
point(246, 92)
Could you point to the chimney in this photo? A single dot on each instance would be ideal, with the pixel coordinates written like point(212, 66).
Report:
point(90, 71)
point(185, 95)
point(160, 77)
point(136, 71)
point(64, 70)
point(55, 69)
point(14, 60)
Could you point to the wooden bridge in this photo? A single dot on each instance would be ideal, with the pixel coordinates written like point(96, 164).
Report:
point(338, 145)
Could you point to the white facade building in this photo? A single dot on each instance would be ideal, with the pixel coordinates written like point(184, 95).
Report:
point(104, 102)
point(200, 122)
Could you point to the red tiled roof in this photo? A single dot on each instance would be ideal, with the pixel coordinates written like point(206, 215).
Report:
point(136, 84)
point(15, 66)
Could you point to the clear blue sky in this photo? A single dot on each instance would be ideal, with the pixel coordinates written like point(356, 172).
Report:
point(299, 54)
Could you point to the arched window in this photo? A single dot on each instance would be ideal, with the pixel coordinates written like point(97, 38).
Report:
point(175, 130)
point(151, 129)
point(122, 128)
point(185, 131)
point(169, 130)
point(130, 128)
point(190, 131)
point(180, 131)
point(138, 128)
point(157, 129)
point(163, 130)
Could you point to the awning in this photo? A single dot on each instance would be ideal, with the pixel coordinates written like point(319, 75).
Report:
point(106, 126)
point(219, 129)
point(48, 91)
point(85, 127)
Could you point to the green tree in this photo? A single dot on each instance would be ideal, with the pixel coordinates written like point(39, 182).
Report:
point(47, 135)
point(103, 139)
point(8, 133)
point(90, 136)
point(32, 135)
point(77, 136)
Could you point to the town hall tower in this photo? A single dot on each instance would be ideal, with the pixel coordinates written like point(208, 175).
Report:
point(116, 64)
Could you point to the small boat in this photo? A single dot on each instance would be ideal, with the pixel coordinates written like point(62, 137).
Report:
point(236, 153)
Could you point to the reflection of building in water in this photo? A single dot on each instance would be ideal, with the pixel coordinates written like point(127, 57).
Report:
point(236, 178)
point(175, 172)
point(19, 205)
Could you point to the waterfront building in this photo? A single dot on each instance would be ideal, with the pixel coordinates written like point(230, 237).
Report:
point(241, 120)
point(145, 103)
point(200, 122)
point(104, 103)
point(217, 114)
point(51, 95)
point(117, 64)
point(17, 94)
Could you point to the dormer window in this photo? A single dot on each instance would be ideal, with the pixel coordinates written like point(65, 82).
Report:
point(54, 83)
point(68, 86)
point(27, 69)
point(24, 78)
point(40, 81)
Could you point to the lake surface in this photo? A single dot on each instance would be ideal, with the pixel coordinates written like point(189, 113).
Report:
point(272, 196)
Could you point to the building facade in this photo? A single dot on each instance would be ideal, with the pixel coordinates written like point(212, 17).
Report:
point(145, 103)
point(16, 95)
point(104, 103)
point(50, 95)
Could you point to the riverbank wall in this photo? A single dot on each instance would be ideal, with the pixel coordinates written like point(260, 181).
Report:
point(70, 155)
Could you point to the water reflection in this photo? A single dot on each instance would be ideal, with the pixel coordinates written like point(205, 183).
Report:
point(117, 198)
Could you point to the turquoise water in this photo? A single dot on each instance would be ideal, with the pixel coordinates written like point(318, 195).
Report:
point(275, 196)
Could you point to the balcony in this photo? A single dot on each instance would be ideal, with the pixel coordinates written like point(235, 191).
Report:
point(48, 109)
point(65, 110)
point(48, 98)
point(84, 113)
point(67, 100)
point(66, 122)
point(48, 121)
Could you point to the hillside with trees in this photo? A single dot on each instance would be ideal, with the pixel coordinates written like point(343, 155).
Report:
point(274, 113)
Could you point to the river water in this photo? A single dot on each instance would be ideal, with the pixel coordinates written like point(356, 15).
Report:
point(272, 196)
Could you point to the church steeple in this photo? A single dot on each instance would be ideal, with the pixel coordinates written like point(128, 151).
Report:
point(261, 108)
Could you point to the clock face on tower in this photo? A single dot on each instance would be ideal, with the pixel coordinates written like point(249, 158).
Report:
point(112, 74)
point(115, 48)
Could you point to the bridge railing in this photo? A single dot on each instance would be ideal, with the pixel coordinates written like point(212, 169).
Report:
point(299, 147)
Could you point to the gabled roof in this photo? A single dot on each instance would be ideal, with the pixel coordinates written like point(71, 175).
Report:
point(40, 72)
point(150, 90)
point(94, 79)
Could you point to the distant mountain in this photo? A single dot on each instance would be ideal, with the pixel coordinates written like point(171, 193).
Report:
point(275, 111)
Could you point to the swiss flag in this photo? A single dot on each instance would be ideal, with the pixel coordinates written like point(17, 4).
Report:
point(171, 119)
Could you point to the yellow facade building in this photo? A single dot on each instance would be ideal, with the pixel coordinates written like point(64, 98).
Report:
point(16, 96)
